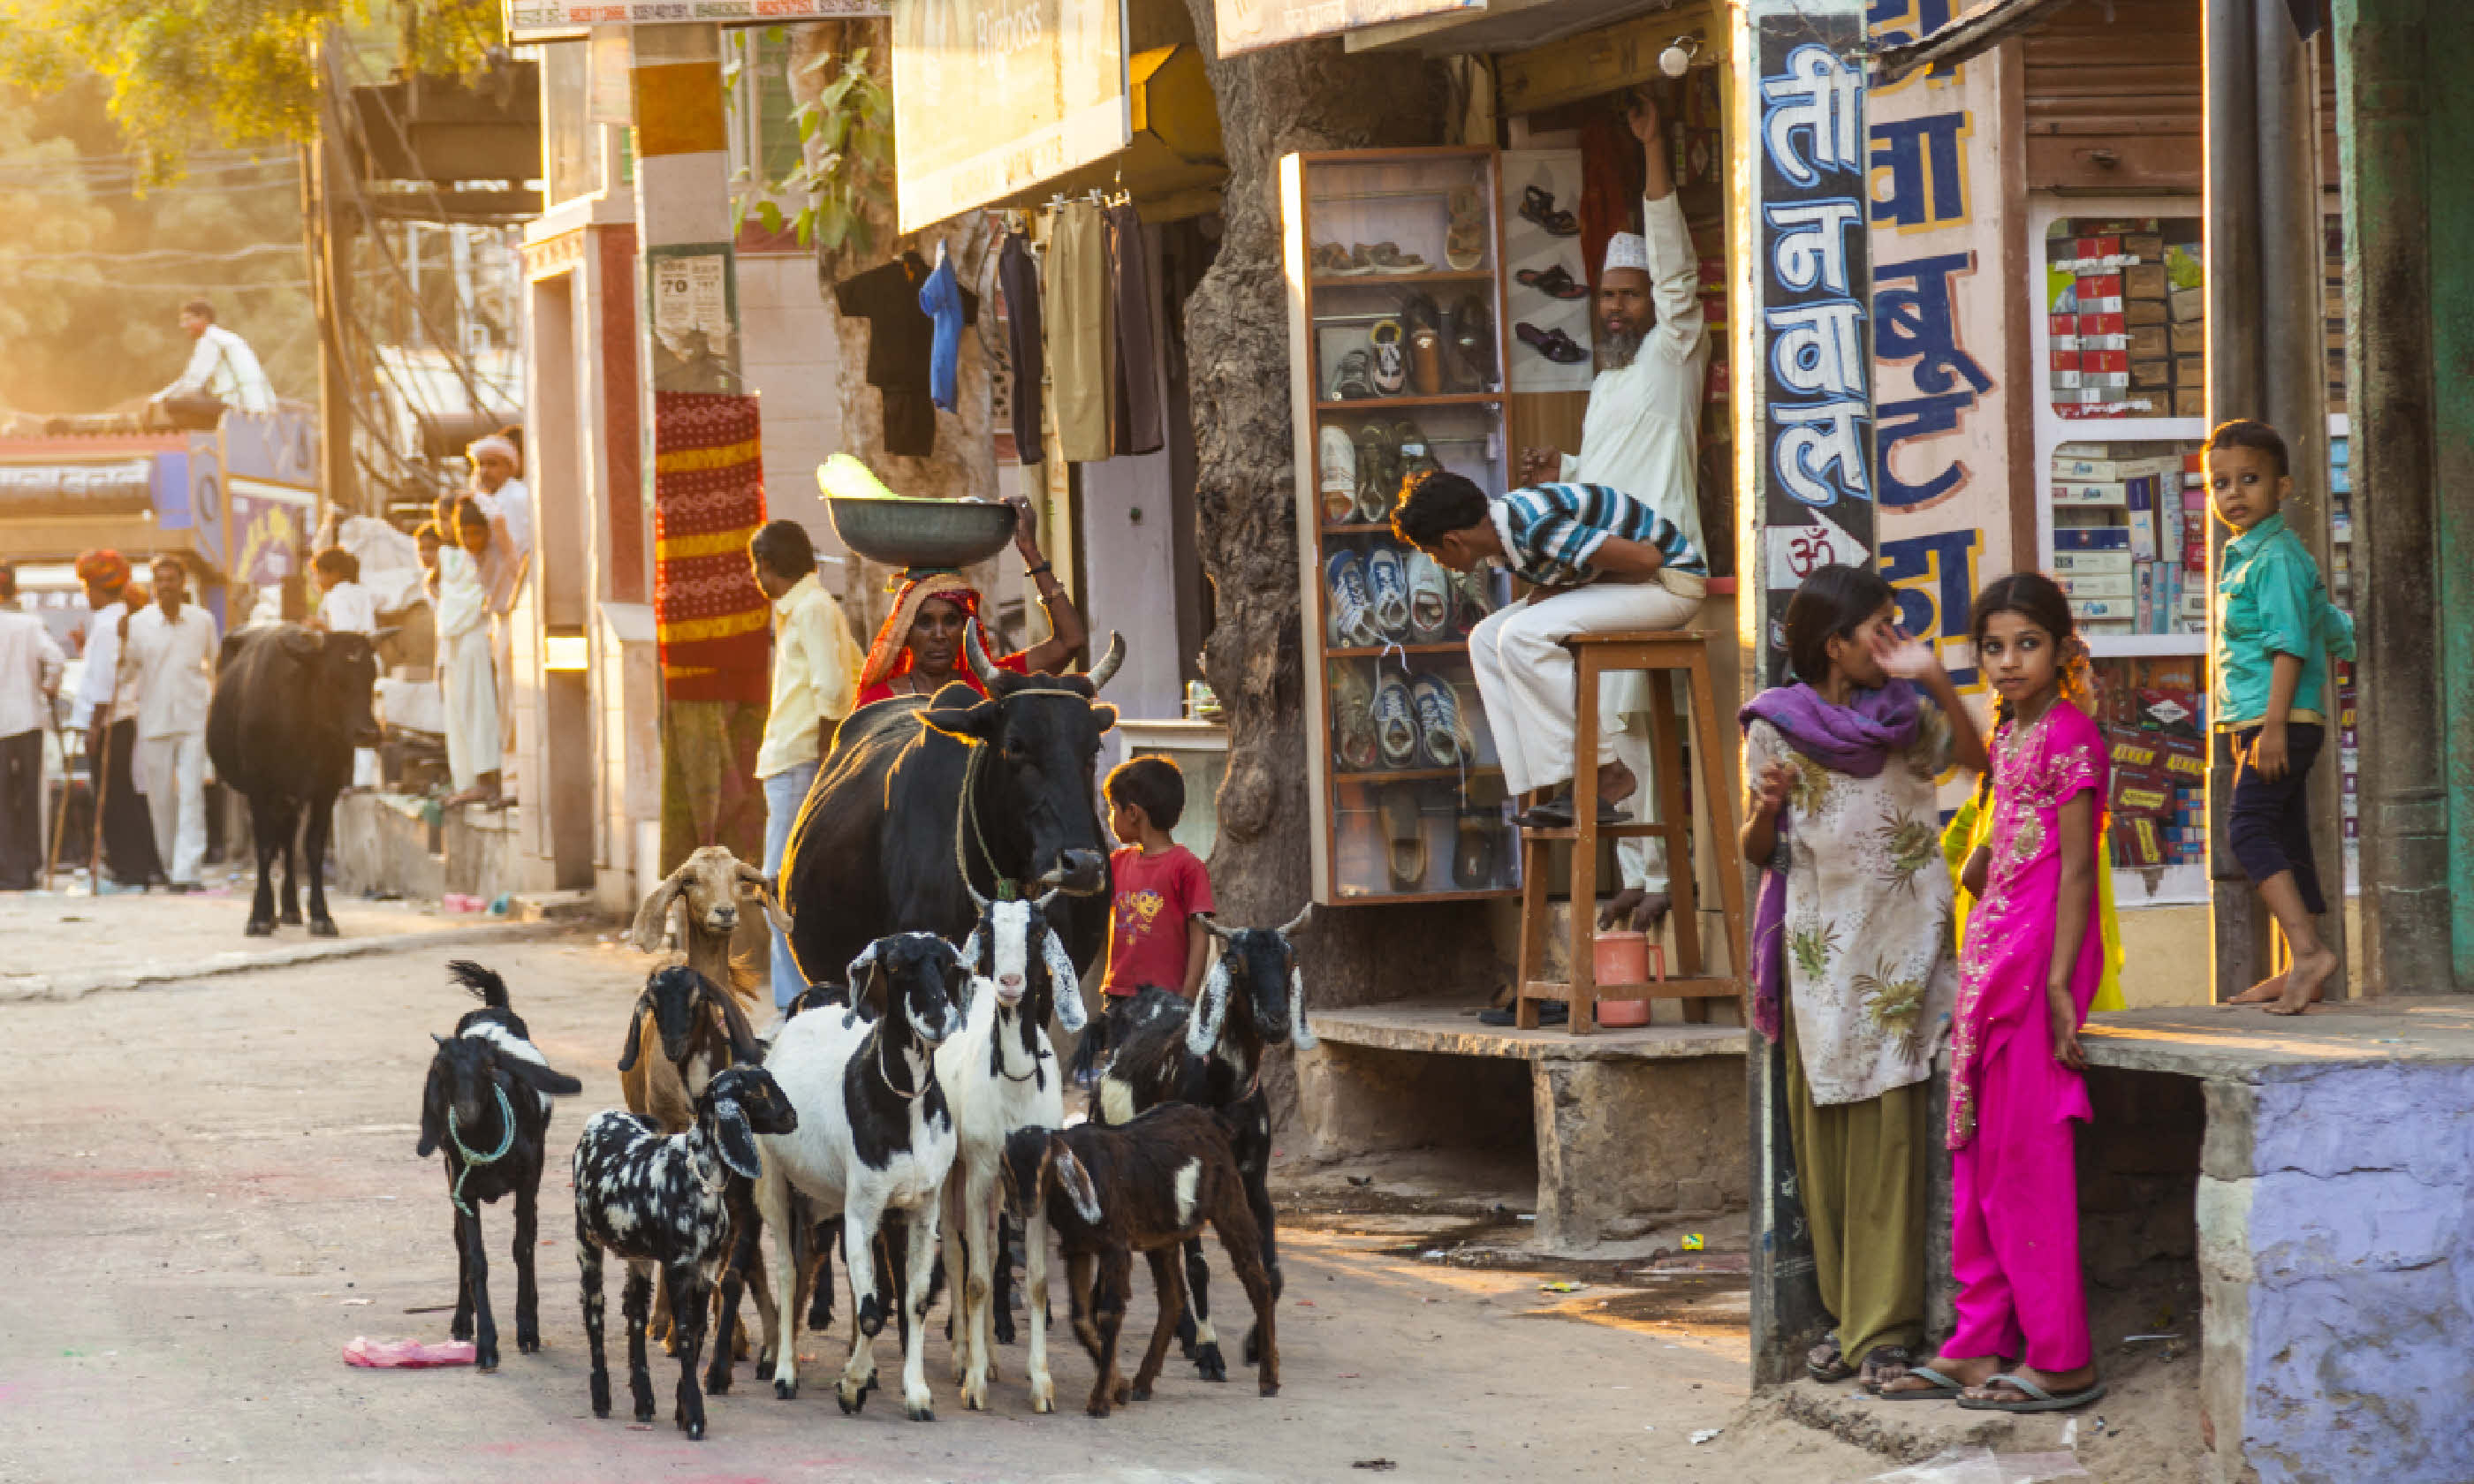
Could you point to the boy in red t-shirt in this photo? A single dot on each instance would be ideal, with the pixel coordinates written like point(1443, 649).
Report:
point(1153, 936)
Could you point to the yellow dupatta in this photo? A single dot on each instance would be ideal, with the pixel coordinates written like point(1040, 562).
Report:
point(1972, 826)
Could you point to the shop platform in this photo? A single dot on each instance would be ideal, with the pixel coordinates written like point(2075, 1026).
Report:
point(1632, 1127)
point(2335, 1204)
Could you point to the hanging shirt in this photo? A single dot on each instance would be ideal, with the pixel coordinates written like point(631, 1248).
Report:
point(900, 342)
point(1018, 274)
point(221, 365)
point(940, 299)
point(171, 669)
point(1134, 422)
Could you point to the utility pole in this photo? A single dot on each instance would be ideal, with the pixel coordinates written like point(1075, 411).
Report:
point(329, 265)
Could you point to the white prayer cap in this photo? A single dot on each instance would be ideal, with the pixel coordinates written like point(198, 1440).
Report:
point(494, 443)
point(1626, 249)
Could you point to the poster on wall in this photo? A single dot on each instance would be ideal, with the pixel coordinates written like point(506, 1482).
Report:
point(991, 98)
point(1941, 438)
point(269, 529)
point(1546, 286)
point(1250, 25)
point(1808, 361)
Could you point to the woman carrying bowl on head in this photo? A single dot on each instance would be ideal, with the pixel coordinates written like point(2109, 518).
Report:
point(918, 650)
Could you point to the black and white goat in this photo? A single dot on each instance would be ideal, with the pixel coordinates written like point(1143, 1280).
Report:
point(1210, 1054)
point(1149, 1186)
point(1001, 1075)
point(659, 1202)
point(875, 1139)
point(487, 1101)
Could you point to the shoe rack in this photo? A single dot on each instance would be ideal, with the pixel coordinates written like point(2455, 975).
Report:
point(1396, 357)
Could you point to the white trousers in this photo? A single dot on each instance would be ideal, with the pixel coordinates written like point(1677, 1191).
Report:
point(472, 708)
point(1524, 672)
point(176, 798)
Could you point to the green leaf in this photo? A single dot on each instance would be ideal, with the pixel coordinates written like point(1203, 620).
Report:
point(770, 215)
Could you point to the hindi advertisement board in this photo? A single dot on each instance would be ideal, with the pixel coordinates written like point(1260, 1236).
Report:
point(990, 99)
point(1250, 25)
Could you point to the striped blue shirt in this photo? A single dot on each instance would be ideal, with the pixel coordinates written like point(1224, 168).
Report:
point(1550, 532)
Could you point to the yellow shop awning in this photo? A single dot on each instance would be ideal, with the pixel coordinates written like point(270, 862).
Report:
point(1175, 166)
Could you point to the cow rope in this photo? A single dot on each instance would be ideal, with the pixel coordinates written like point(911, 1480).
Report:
point(506, 1120)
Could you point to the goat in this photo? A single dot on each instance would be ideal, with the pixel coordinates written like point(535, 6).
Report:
point(875, 1139)
point(999, 1075)
point(1205, 1055)
point(658, 1200)
point(710, 883)
point(1146, 1186)
point(490, 1090)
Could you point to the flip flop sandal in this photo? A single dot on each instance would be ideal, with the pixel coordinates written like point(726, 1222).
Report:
point(1352, 609)
point(1430, 599)
point(1416, 455)
point(1332, 260)
point(1354, 382)
point(2038, 1398)
point(1391, 362)
point(1478, 849)
point(1554, 344)
point(1827, 1363)
point(1554, 282)
point(1395, 722)
point(1386, 257)
point(1353, 717)
point(1339, 478)
point(1378, 472)
point(1941, 1389)
point(1465, 240)
point(1389, 581)
point(1538, 205)
point(1439, 721)
point(1404, 835)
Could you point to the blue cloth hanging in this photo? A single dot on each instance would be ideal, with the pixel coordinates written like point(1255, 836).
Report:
point(940, 299)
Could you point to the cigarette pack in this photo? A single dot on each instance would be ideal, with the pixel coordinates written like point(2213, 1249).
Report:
point(2101, 541)
point(2091, 563)
point(2101, 609)
point(2097, 584)
point(2097, 247)
point(2105, 628)
point(2099, 492)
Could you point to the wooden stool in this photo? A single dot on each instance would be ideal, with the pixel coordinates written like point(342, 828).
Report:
point(1660, 653)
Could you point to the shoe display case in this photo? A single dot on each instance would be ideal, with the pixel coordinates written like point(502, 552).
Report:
point(1397, 363)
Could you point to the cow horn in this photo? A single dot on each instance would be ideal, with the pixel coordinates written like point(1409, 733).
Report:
point(1297, 924)
point(1109, 660)
point(976, 652)
point(1050, 899)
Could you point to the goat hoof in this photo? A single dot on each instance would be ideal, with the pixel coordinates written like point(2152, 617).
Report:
point(291, 918)
point(920, 1413)
point(1208, 1364)
point(1271, 1388)
point(323, 928)
point(527, 1344)
point(1140, 1393)
point(1254, 1347)
point(716, 1383)
point(695, 1430)
point(460, 1329)
point(850, 1406)
point(785, 1391)
point(259, 927)
point(1003, 1328)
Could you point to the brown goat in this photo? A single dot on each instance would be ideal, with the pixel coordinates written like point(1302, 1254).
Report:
point(1147, 1187)
point(710, 883)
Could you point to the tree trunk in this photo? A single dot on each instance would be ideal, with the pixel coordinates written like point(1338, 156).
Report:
point(1310, 95)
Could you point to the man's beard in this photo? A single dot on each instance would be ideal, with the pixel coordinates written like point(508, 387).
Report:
point(1617, 348)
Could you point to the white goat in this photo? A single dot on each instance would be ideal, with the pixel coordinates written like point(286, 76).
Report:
point(999, 1074)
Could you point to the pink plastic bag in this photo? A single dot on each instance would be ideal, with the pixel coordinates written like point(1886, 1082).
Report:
point(405, 1355)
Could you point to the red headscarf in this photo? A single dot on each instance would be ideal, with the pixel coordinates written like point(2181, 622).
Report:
point(889, 653)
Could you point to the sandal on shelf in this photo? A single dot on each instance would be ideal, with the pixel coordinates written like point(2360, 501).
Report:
point(1430, 599)
point(1439, 721)
point(1378, 472)
point(1396, 721)
point(1354, 380)
point(1338, 480)
point(1388, 581)
point(1469, 346)
point(1352, 716)
point(1416, 455)
point(1404, 835)
point(1352, 608)
point(1537, 205)
point(1391, 362)
point(1826, 1363)
point(1332, 260)
point(1465, 239)
point(1555, 282)
point(1477, 852)
point(1386, 257)
point(1554, 344)
point(2032, 1396)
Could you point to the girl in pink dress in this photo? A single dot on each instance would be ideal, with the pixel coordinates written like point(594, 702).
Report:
point(2033, 957)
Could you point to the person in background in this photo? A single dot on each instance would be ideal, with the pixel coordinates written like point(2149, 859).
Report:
point(463, 610)
point(223, 371)
point(30, 676)
point(344, 605)
point(816, 668)
point(918, 649)
point(1161, 891)
point(104, 713)
point(170, 658)
point(496, 465)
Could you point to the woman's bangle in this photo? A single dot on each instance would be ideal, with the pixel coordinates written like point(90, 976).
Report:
point(1041, 570)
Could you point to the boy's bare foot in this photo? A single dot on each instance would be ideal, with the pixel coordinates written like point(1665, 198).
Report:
point(1616, 782)
point(2305, 982)
point(2260, 994)
point(2059, 1383)
point(1967, 1373)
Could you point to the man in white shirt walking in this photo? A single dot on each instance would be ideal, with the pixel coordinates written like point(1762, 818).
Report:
point(503, 497)
point(815, 671)
point(30, 675)
point(170, 651)
point(106, 712)
point(223, 371)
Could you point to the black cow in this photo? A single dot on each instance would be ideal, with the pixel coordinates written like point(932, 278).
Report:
point(874, 850)
point(290, 705)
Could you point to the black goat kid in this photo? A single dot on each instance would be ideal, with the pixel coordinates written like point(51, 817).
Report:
point(1210, 1054)
point(487, 1101)
point(661, 1203)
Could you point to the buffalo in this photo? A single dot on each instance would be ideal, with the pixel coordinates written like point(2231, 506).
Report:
point(879, 846)
point(290, 705)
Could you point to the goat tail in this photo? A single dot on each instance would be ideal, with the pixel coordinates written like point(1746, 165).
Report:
point(484, 983)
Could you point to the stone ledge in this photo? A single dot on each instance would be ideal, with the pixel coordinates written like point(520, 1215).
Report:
point(2239, 1045)
point(1453, 1030)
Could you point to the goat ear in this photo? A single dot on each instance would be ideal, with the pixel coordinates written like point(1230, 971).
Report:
point(862, 978)
point(1299, 1036)
point(653, 918)
point(768, 896)
point(1210, 1008)
point(433, 1114)
point(540, 1078)
point(1065, 983)
point(744, 1048)
point(635, 1031)
point(735, 1141)
point(1076, 1181)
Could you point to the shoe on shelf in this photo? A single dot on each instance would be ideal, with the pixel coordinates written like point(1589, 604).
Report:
point(1416, 455)
point(1554, 344)
point(1404, 835)
point(1354, 380)
point(1332, 260)
point(1477, 849)
point(1537, 205)
point(1430, 599)
point(1352, 716)
point(1465, 239)
point(1338, 477)
point(1352, 608)
point(1468, 346)
point(1390, 360)
point(1554, 282)
point(1439, 721)
point(1386, 257)
point(1471, 602)
point(1378, 472)
point(1396, 721)
point(1389, 582)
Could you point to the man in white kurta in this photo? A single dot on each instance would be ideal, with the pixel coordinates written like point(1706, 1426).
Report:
point(509, 505)
point(169, 659)
point(1641, 435)
point(463, 658)
point(222, 368)
point(31, 662)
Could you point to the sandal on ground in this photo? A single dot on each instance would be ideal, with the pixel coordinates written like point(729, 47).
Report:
point(1826, 1363)
point(2032, 1396)
point(1941, 1389)
point(1404, 835)
point(1884, 1364)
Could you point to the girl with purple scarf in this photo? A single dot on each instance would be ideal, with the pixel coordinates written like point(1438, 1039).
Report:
point(1851, 944)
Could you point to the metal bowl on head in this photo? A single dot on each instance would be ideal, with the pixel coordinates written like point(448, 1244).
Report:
point(896, 531)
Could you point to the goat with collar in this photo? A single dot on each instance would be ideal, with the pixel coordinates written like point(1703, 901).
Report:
point(1210, 1054)
point(487, 1100)
point(875, 1139)
point(1001, 1075)
point(661, 1201)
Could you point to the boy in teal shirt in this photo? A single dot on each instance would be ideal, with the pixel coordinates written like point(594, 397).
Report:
point(2273, 632)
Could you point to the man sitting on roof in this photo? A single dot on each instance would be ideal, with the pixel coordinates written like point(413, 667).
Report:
point(223, 371)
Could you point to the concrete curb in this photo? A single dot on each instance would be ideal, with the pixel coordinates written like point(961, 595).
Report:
point(34, 989)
